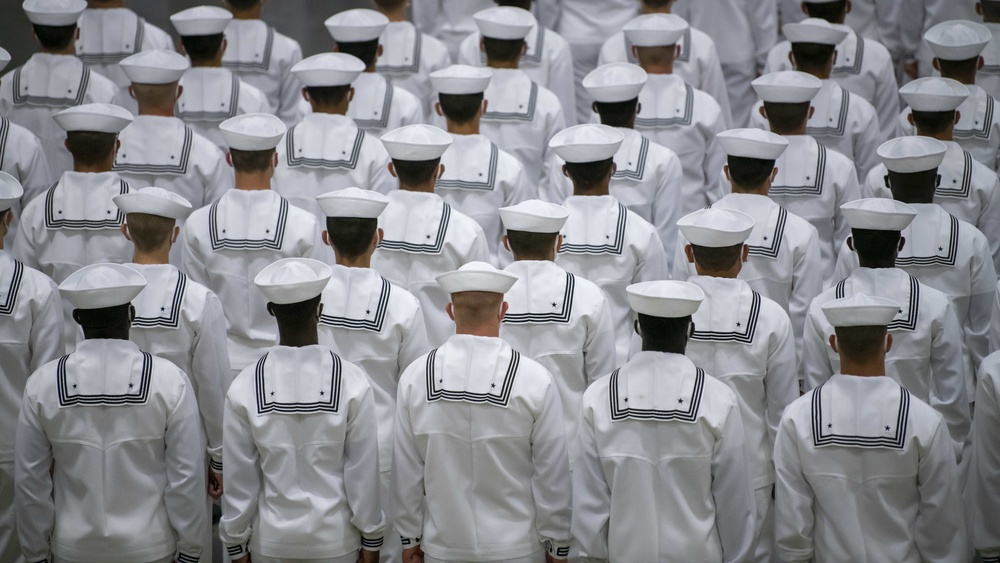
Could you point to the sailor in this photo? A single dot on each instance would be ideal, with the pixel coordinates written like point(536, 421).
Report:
point(841, 120)
point(178, 319)
point(76, 222)
point(109, 459)
point(988, 77)
point(673, 113)
point(983, 490)
point(916, 19)
point(865, 470)
point(662, 470)
point(423, 235)
point(368, 321)
point(475, 417)
point(521, 116)
point(927, 352)
point(547, 60)
point(784, 261)
point(32, 333)
point(53, 79)
point(450, 21)
point(212, 94)
point(813, 181)
point(698, 62)
point(861, 65)
point(327, 150)
point(746, 341)
point(871, 19)
point(560, 320)
point(479, 178)
point(941, 250)
point(301, 445)
point(378, 105)
point(957, 47)
point(968, 189)
point(229, 242)
point(263, 57)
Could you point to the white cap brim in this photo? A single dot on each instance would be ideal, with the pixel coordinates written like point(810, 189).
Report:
point(328, 69)
point(787, 87)
point(504, 22)
point(201, 20)
point(153, 201)
point(10, 191)
point(154, 67)
point(665, 299)
point(252, 132)
point(957, 40)
point(716, 228)
point(878, 214)
point(99, 286)
point(752, 143)
point(461, 80)
point(615, 82)
point(587, 143)
point(54, 13)
point(97, 118)
point(860, 310)
point(476, 276)
point(353, 203)
point(814, 30)
point(907, 155)
point(416, 143)
point(534, 216)
point(356, 26)
point(293, 280)
point(655, 30)
point(934, 94)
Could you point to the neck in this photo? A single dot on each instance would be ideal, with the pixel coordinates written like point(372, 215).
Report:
point(663, 347)
point(759, 190)
point(298, 338)
point(397, 15)
point(67, 50)
point(658, 68)
point(370, 69)
point(914, 197)
point(157, 110)
point(799, 130)
point(254, 181)
point(516, 63)
point(105, 4)
point(215, 62)
point(966, 78)
point(252, 13)
point(598, 190)
point(427, 187)
point(363, 261)
point(874, 368)
point(821, 73)
point(488, 331)
point(550, 257)
point(647, 9)
point(730, 274)
point(94, 168)
point(118, 333)
point(946, 134)
point(332, 109)
point(158, 256)
point(470, 127)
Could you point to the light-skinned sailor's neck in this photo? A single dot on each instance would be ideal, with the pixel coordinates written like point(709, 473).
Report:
point(470, 127)
point(487, 330)
point(253, 182)
point(252, 13)
point(330, 109)
point(215, 62)
point(967, 79)
point(159, 256)
point(761, 191)
point(155, 110)
point(946, 135)
point(67, 50)
point(426, 188)
point(504, 65)
point(363, 261)
point(397, 15)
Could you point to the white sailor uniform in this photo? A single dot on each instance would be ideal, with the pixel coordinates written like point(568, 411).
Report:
point(424, 237)
point(226, 244)
point(301, 459)
point(23, 157)
point(326, 152)
point(871, 19)
point(926, 357)
point(866, 472)
point(379, 106)
point(983, 490)
point(448, 20)
point(475, 417)
point(613, 247)
point(45, 85)
point(32, 335)
point(918, 17)
point(262, 57)
point(118, 429)
point(479, 178)
point(521, 118)
point(662, 471)
point(978, 127)
point(988, 77)
point(408, 57)
point(213, 95)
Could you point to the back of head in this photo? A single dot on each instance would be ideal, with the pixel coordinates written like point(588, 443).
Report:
point(351, 237)
point(861, 344)
point(203, 48)
point(476, 308)
point(875, 246)
point(149, 233)
point(589, 175)
point(55, 38)
point(243, 5)
point(785, 118)
point(958, 69)
point(91, 148)
point(618, 114)
point(390, 5)
point(658, 56)
point(532, 246)
point(832, 11)
point(328, 96)
point(813, 58)
point(415, 172)
point(293, 317)
point(252, 162)
point(106, 322)
point(750, 174)
point(367, 51)
point(913, 187)
point(991, 10)
point(664, 334)
point(933, 123)
point(157, 95)
point(650, 6)
point(717, 259)
point(503, 50)
point(523, 4)
point(461, 108)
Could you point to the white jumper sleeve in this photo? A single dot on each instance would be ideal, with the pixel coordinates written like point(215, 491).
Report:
point(219, 179)
point(34, 172)
point(948, 394)
point(35, 508)
point(45, 342)
point(185, 492)
point(555, 123)
point(361, 475)
point(550, 484)
point(243, 481)
point(652, 264)
point(994, 336)
point(732, 489)
point(793, 499)
point(781, 378)
point(763, 16)
point(290, 91)
point(984, 281)
point(852, 191)
point(815, 366)
point(407, 473)
point(210, 368)
point(192, 262)
point(591, 493)
point(985, 478)
point(414, 344)
point(599, 347)
point(807, 283)
point(886, 100)
point(939, 528)
point(988, 222)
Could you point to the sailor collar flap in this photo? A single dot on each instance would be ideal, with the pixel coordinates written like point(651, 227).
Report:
point(472, 370)
point(513, 99)
point(977, 116)
point(318, 390)
point(356, 300)
point(541, 298)
point(62, 84)
point(850, 58)
point(211, 97)
point(402, 47)
point(657, 387)
point(84, 379)
point(769, 223)
point(11, 274)
point(684, 42)
point(832, 107)
point(161, 149)
point(902, 288)
point(112, 35)
point(594, 229)
point(846, 413)
point(313, 145)
point(931, 240)
point(4, 134)
point(72, 206)
point(372, 101)
point(463, 171)
point(423, 228)
point(956, 175)
point(801, 173)
point(250, 46)
point(670, 104)
point(160, 302)
point(631, 158)
point(230, 229)
point(726, 315)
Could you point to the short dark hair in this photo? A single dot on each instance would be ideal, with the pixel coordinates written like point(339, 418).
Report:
point(618, 114)
point(367, 51)
point(670, 333)
point(415, 171)
point(933, 122)
point(966, 66)
point(91, 148)
point(55, 37)
point(523, 4)
point(658, 54)
point(252, 161)
point(243, 4)
point(812, 55)
point(914, 187)
point(749, 172)
point(657, 3)
point(860, 343)
point(351, 236)
point(104, 318)
point(717, 259)
point(202, 47)
point(460, 108)
point(528, 246)
point(831, 11)
point(586, 175)
point(991, 10)
point(876, 246)
point(503, 50)
point(328, 95)
point(292, 314)
point(149, 232)
point(786, 117)
point(390, 4)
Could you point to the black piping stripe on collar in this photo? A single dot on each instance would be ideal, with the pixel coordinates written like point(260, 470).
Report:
point(910, 322)
point(433, 248)
point(527, 115)
point(234, 107)
point(685, 119)
point(614, 248)
point(145, 168)
point(984, 132)
point(895, 442)
point(965, 187)
point(4, 133)
point(533, 58)
point(779, 235)
point(172, 321)
point(329, 403)
point(52, 222)
point(12, 290)
point(637, 173)
point(383, 120)
point(115, 58)
point(685, 48)
point(411, 68)
point(859, 56)
point(138, 398)
point(265, 62)
point(248, 244)
point(372, 324)
point(838, 131)
point(488, 185)
point(560, 317)
point(990, 69)
point(350, 163)
point(744, 337)
point(818, 177)
point(936, 260)
point(20, 98)
point(436, 394)
point(688, 415)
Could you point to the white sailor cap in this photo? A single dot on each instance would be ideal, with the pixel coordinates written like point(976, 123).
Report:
point(716, 228)
point(99, 118)
point(328, 69)
point(878, 214)
point(417, 142)
point(153, 201)
point(4, 58)
point(860, 310)
point(99, 286)
point(934, 94)
point(615, 82)
point(157, 66)
point(476, 276)
point(353, 203)
point(588, 142)
point(356, 26)
point(461, 79)
point(669, 299)
point(293, 280)
point(10, 191)
point(534, 216)
point(752, 143)
point(814, 30)
point(504, 22)
point(787, 87)
point(655, 30)
point(957, 40)
point(252, 132)
point(54, 13)
point(201, 20)
point(912, 154)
